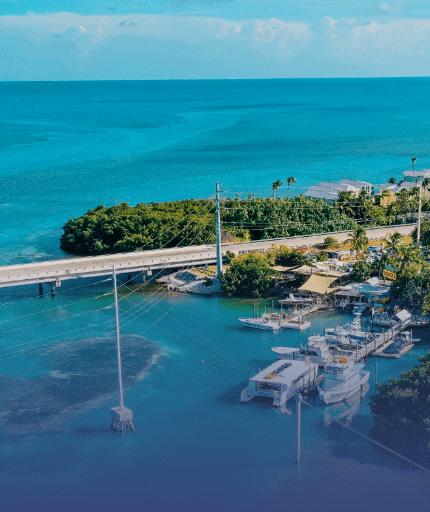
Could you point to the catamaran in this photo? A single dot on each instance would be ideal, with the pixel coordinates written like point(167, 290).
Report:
point(280, 381)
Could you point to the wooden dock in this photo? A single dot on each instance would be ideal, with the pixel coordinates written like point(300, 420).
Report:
point(374, 347)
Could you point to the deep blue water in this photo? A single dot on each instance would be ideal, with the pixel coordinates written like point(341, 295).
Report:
point(67, 147)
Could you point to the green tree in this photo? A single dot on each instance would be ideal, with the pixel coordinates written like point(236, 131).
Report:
point(275, 185)
point(248, 276)
point(401, 406)
point(359, 240)
point(394, 242)
point(361, 271)
point(330, 243)
point(290, 181)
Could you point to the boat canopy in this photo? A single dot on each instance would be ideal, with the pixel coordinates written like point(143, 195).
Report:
point(319, 284)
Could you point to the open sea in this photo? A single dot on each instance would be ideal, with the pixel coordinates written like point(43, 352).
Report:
point(69, 146)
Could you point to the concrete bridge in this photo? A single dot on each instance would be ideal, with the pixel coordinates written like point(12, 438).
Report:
point(146, 261)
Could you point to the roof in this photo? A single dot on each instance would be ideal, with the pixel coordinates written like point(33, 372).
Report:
point(279, 268)
point(349, 293)
point(292, 370)
point(403, 315)
point(319, 284)
point(305, 269)
point(333, 273)
point(417, 174)
point(354, 183)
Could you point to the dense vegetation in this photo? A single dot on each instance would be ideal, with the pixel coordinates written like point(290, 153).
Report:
point(402, 405)
point(124, 228)
point(248, 276)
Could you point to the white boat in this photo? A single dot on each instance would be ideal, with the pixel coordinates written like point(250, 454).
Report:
point(277, 321)
point(280, 381)
point(271, 322)
point(317, 351)
point(348, 334)
point(342, 379)
point(295, 300)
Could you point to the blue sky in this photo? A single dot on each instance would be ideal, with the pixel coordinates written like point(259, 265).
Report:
point(165, 39)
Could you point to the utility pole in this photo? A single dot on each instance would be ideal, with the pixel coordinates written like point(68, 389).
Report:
point(218, 235)
point(121, 416)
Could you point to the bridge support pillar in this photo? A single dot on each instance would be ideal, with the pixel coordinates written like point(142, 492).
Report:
point(40, 289)
point(129, 279)
point(53, 291)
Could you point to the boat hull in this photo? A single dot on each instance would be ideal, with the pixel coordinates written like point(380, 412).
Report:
point(339, 394)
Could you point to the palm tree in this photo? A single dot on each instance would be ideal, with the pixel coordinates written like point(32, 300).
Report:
point(359, 240)
point(290, 181)
point(394, 242)
point(275, 185)
point(392, 180)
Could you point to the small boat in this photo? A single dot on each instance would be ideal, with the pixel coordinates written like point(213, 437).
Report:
point(342, 379)
point(276, 321)
point(317, 351)
point(280, 381)
point(296, 300)
point(270, 322)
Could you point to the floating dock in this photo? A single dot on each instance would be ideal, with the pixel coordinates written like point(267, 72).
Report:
point(375, 346)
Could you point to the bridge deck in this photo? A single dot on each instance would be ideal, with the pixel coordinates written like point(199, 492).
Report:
point(72, 268)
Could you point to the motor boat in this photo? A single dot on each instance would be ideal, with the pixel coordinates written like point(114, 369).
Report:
point(342, 379)
point(317, 351)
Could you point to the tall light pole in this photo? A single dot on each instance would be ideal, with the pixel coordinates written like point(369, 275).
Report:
point(218, 235)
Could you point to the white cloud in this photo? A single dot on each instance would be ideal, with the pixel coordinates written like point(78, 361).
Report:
point(156, 46)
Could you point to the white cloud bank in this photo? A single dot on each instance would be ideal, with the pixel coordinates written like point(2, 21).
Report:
point(66, 46)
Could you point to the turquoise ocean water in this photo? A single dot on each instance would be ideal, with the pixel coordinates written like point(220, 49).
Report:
point(67, 147)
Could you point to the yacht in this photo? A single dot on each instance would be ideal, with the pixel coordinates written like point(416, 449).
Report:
point(317, 351)
point(342, 379)
point(280, 381)
point(350, 333)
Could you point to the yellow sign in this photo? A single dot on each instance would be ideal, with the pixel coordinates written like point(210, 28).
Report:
point(389, 275)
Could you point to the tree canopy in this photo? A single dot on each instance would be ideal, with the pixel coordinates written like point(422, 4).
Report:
point(248, 276)
point(402, 405)
point(125, 228)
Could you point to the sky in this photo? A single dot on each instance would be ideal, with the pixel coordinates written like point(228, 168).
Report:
point(212, 39)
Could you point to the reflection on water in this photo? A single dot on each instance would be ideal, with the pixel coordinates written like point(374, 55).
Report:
point(346, 410)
